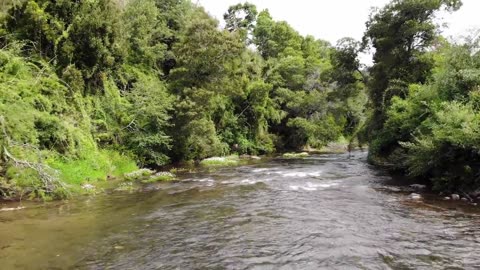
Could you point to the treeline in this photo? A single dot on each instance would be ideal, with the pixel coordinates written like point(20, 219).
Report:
point(425, 95)
point(93, 89)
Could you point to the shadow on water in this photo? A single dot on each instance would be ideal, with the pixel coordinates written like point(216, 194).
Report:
point(326, 211)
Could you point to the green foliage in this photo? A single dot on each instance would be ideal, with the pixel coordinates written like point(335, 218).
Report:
point(273, 38)
point(85, 33)
point(44, 23)
point(140, 23)
point(434, 131)
point(34, 105)
point(148, 109)
point(449, 155)
point(202, 140)
point(90, 90)
point(241, 17)
point(97, 166)
point(92, 42)
point(401, 32)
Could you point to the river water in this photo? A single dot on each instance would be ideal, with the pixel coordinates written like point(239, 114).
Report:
point(323, 212)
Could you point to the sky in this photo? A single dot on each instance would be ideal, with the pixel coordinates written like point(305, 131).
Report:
point(332, 20)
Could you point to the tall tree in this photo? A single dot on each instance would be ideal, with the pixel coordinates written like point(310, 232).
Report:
point(200, 81)
point(349, 83)
point(272, 38)
point(400, 33)
point(240, 16)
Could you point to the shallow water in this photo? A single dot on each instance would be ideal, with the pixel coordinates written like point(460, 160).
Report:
point(330, 211)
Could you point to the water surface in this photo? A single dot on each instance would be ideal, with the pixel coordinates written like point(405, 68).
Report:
point(323, 212)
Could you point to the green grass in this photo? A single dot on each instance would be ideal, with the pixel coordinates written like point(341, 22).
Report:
point(95, 167)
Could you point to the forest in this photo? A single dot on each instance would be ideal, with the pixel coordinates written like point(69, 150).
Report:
point(92, 90)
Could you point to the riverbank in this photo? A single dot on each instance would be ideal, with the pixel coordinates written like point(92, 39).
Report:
point(108, 172)
point(142, 180)
point(104, 170)
point(469, 195)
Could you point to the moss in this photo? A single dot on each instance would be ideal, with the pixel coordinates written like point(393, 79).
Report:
point(160, 177)
point(149, 176)
point(127, 187)
point(221, 161)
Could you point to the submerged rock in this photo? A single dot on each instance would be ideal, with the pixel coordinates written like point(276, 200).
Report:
point(464, 199)
point(447, 198)
point(393, 189)
point(475, 194)
point(455, 197)
point(127, 186)
point(250, 157)
point(415, 196)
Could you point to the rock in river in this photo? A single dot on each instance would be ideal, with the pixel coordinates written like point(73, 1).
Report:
point(415, 196)
point(455, 197)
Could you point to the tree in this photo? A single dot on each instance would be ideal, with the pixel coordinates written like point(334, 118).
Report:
point(272, 38)
point(140, 20)
point(200, 82)
point(349, 84)
point(400, 33)
point(241, 18)
point(436, 127)
point(148, 121)
point(44, 23)
point(83, 33)
point(93, 41)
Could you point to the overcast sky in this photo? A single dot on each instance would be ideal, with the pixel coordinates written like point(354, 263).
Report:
point(332, 20)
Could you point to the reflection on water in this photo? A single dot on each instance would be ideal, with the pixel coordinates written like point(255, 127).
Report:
point(330, 212)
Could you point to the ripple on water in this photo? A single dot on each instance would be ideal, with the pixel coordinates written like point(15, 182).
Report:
point(299, 174)
point(309, 186)
point(327, 212)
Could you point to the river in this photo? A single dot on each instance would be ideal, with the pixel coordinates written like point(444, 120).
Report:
point(322, 212)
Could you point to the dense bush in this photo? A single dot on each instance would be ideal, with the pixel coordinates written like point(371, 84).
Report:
point(434, 132)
